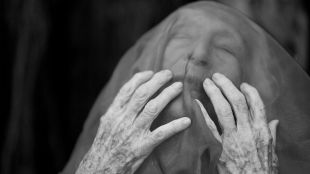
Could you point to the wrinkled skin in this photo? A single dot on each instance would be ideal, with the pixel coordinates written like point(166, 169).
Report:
point(124, 141)
point(249, 143)
point(123, 138)
point(195, 42)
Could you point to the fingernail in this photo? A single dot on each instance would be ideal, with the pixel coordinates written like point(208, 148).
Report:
point(217, 75)
point(277, 123)
point(186, 120)
point(149, 72)
point(243, 86)
point(207, 81)
point(197, 101)
point(167, 72)
point(178, 85)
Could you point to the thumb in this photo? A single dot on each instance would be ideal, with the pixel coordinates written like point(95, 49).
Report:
point(273, 129)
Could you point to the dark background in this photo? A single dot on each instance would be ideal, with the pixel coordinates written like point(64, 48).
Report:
point(58, 54)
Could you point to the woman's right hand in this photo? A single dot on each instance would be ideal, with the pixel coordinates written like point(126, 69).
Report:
point(249, 142)
point(124, 138)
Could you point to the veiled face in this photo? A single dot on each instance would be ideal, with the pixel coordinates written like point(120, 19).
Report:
point(194, 42)
point(201, 45)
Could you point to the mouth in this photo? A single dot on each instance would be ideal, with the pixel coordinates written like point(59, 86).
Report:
point(193, 89)
point(192, 84)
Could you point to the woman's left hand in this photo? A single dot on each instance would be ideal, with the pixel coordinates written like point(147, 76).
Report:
point(249, 142)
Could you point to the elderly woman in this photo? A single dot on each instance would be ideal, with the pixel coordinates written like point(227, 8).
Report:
point(223, 80)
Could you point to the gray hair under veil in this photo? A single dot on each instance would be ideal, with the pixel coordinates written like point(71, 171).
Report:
point(194, 42)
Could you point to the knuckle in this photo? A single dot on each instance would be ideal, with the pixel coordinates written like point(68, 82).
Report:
point(258, 101)
point(159, 135)
point(239, 101)
point(266, 139)
point(126, 89)
point(173, 125)
point(141, 94)
point(225, 111)
point(151, 108)
point(260, 108)
point(238, 97)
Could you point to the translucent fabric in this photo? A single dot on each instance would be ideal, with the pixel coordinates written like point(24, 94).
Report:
point(194, 42)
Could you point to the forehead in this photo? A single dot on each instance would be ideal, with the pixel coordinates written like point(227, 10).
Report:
point(195, 22)
point(214, 28)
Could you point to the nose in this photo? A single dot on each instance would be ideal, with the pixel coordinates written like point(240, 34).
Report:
point(198, 61)
point(200, 54)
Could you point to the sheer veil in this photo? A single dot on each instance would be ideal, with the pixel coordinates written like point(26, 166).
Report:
point(194, 42)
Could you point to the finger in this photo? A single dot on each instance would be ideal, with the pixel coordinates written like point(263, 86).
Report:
point(156, 105)
point(235, 98)
point(273, 129)
point(166, 131)
point(145, 91)
point(209, 121)
point(129, 87)
point(255, 103)
point(221, 106)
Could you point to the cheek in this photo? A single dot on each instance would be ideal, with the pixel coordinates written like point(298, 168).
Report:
point(176, 50)
point(228, 65)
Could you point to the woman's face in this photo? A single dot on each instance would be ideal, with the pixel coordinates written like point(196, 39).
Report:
point(200, 46)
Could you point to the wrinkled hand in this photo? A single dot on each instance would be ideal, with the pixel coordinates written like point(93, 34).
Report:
point(124, 138)
point(249, 143)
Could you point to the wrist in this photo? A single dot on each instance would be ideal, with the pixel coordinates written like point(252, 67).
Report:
point(107, 162)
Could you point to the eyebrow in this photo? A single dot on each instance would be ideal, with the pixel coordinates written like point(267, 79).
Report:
point(226, 40)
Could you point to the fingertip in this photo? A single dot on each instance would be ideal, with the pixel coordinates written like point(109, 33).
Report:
point(207, 82)
point(186, 121)
point(168, 73)
point(246, 88)
point(178, 85)
point(273, 129)
point(217, 76)
point(243, 86)
point(274, 124)
point(198, 105)
point(144, 74)
point(201, 107)
point(149, 72)
point(197, 101)
point(169, 129)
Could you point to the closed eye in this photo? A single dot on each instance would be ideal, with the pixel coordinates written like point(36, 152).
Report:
point(227, 49)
